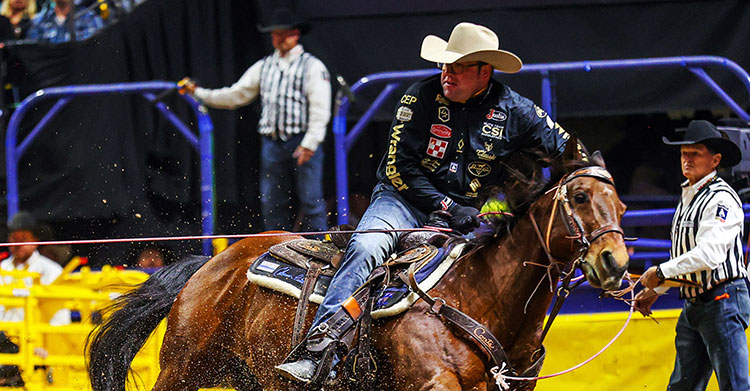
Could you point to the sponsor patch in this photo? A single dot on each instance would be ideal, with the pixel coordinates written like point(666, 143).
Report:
point(492, 131)
point(460, 146)
point(408, 99)
point(485, 154)
point(475, 185)
point(471, 194)
point(268, 267)
point(496, 115)
point(442, 100)
point(436, 148)
point(721, 213)
point(404, 114)
point(540, 112)
point(446, 203)
point(454, 167)
point(444, 114)
point(550, 123)
point(430, 164)
point(479, 169)
point(441, 131)
point(686, 224)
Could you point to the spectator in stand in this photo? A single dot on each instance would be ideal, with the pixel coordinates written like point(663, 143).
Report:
point(19, 13)
point(62, 24)
point(23, 228)
point(150, 258)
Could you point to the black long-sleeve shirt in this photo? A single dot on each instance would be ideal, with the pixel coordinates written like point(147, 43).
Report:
point(440, 153)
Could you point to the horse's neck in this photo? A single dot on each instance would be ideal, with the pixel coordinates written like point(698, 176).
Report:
point(500, 289)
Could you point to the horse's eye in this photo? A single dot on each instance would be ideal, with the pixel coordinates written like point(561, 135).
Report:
point(580, 198)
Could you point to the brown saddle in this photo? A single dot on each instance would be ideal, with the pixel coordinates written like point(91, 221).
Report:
point(309, 253)
point(324, 257)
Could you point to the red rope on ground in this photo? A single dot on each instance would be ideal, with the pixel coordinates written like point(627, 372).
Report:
point(235, 236)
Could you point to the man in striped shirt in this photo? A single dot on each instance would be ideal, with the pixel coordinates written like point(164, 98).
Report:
point(706, 256)
point(295, 91)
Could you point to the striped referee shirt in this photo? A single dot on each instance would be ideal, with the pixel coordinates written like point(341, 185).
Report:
point(706, 236)
point(295, 93)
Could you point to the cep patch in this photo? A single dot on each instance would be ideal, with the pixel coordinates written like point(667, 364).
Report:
point(721, 212)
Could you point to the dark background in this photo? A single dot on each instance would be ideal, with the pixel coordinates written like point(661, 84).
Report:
point(111, 167)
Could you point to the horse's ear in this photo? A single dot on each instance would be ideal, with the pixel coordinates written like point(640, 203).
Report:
point(598, 159)
point(572, 150)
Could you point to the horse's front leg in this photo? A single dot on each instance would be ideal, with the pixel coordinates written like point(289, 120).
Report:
point(425, 355)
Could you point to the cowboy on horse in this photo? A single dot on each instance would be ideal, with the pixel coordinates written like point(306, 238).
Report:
point(449, 139)
point(456, 137)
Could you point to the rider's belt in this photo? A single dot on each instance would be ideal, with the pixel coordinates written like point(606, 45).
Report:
point(709, 295)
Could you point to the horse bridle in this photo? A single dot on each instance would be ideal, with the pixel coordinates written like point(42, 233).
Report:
point(576, 232)
point(571, 220)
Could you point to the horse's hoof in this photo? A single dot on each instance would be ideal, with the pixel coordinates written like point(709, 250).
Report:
point(300, 371)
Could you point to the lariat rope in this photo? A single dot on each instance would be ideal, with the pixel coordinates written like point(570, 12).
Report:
point(502, 380)
point(233, 236)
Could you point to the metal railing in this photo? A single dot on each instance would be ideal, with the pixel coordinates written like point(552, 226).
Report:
point(344, 138)
point(203, 142)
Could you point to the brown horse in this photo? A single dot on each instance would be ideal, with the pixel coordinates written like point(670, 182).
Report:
point(224, 330)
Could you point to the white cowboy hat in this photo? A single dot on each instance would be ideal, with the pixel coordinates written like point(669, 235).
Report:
point(470, 42)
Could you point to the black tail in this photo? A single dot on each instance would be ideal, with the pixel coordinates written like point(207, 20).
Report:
point(134, 316)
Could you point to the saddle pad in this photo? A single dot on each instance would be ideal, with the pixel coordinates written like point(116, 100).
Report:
point(276, 274)
point(279, 275)
point(397, 298)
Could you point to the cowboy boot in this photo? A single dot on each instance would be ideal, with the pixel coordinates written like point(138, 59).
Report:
point(301, 370)
point(312, 360)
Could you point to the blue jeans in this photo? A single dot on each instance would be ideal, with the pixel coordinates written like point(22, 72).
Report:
point(387, 210)
point(711, 338)
point(279, 175)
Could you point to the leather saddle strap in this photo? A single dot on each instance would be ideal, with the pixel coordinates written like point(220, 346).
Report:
point(478, 333)
point(311, 277)
point(362, 368)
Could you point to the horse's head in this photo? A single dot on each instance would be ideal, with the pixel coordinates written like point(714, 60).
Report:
point(583, 222)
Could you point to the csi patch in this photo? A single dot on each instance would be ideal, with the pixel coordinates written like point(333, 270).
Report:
point(404, 114)
point(444, 114)
point(721, 212)
point(496, 115)
point(437, 148)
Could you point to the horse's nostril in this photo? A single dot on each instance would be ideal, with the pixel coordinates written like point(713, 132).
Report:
point(610, 263)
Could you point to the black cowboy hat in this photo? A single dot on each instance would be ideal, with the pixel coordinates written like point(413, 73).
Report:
point(704, 132)
point(282, 18)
